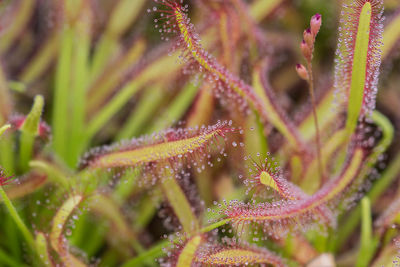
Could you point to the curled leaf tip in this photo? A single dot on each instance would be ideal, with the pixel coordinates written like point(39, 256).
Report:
point(32, 121)
point(4, 128)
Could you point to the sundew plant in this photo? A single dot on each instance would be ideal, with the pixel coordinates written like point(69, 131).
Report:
point(199, 133)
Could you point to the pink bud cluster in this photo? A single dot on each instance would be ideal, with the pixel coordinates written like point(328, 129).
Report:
point(307, 45)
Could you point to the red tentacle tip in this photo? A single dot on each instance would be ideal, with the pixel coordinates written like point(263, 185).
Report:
point(4, 179)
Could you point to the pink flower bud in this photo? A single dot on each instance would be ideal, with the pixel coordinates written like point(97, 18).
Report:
point(308, 37)
point(315, 24)
point(302, 72)
point(306, 50)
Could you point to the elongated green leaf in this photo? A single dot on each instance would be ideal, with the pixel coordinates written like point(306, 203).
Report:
point(123, 15)
point(80, 81)
point(29, 130)
point(61, 93)
point(17, 219)
point(274, 113)
point(181, 206)
point(390, 173)
point(261, 8)
point(359, 68)
point(5, 98)
point(59, 222)
point(366, 242)
point(177, 108)
point(42, 59)
point(142, 113)
point(42, 249)
point(31, 123)
point(20, 20)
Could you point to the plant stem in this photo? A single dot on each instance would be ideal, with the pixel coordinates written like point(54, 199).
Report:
point(364, 254)
point(25, 150)
point(18, 221)
point(317, 134)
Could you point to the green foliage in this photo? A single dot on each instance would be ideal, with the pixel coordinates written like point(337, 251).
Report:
point(90, 193)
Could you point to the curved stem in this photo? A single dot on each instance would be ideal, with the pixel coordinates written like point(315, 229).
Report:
point(17, 219)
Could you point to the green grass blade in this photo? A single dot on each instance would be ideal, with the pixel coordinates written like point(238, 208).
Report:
point(260, 8)
point(77, 105)
point(20, 20)
point(5, 98)
point(391, 35)
point(111, 108)
point(177, 108)
point(141, 114)
point(61, 93)
point(17, 219)
point(123, 15)
point(42, 60)
point(8, 260)
point(364, 255)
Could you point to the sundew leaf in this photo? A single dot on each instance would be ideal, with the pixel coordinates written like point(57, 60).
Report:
point(359, 59)
point(351, 222)
point(359, 67)
point(187, 255)
point(276, 115)
point(227, 83)
point(180, 204)
point(237, 256)
point(33, 183)
point(389, 255)
point(324, 107)
point(268, 175)
point(169, 145)
point(56, 237)
point(279, 213)
point(389, 216)
point(42, 249)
